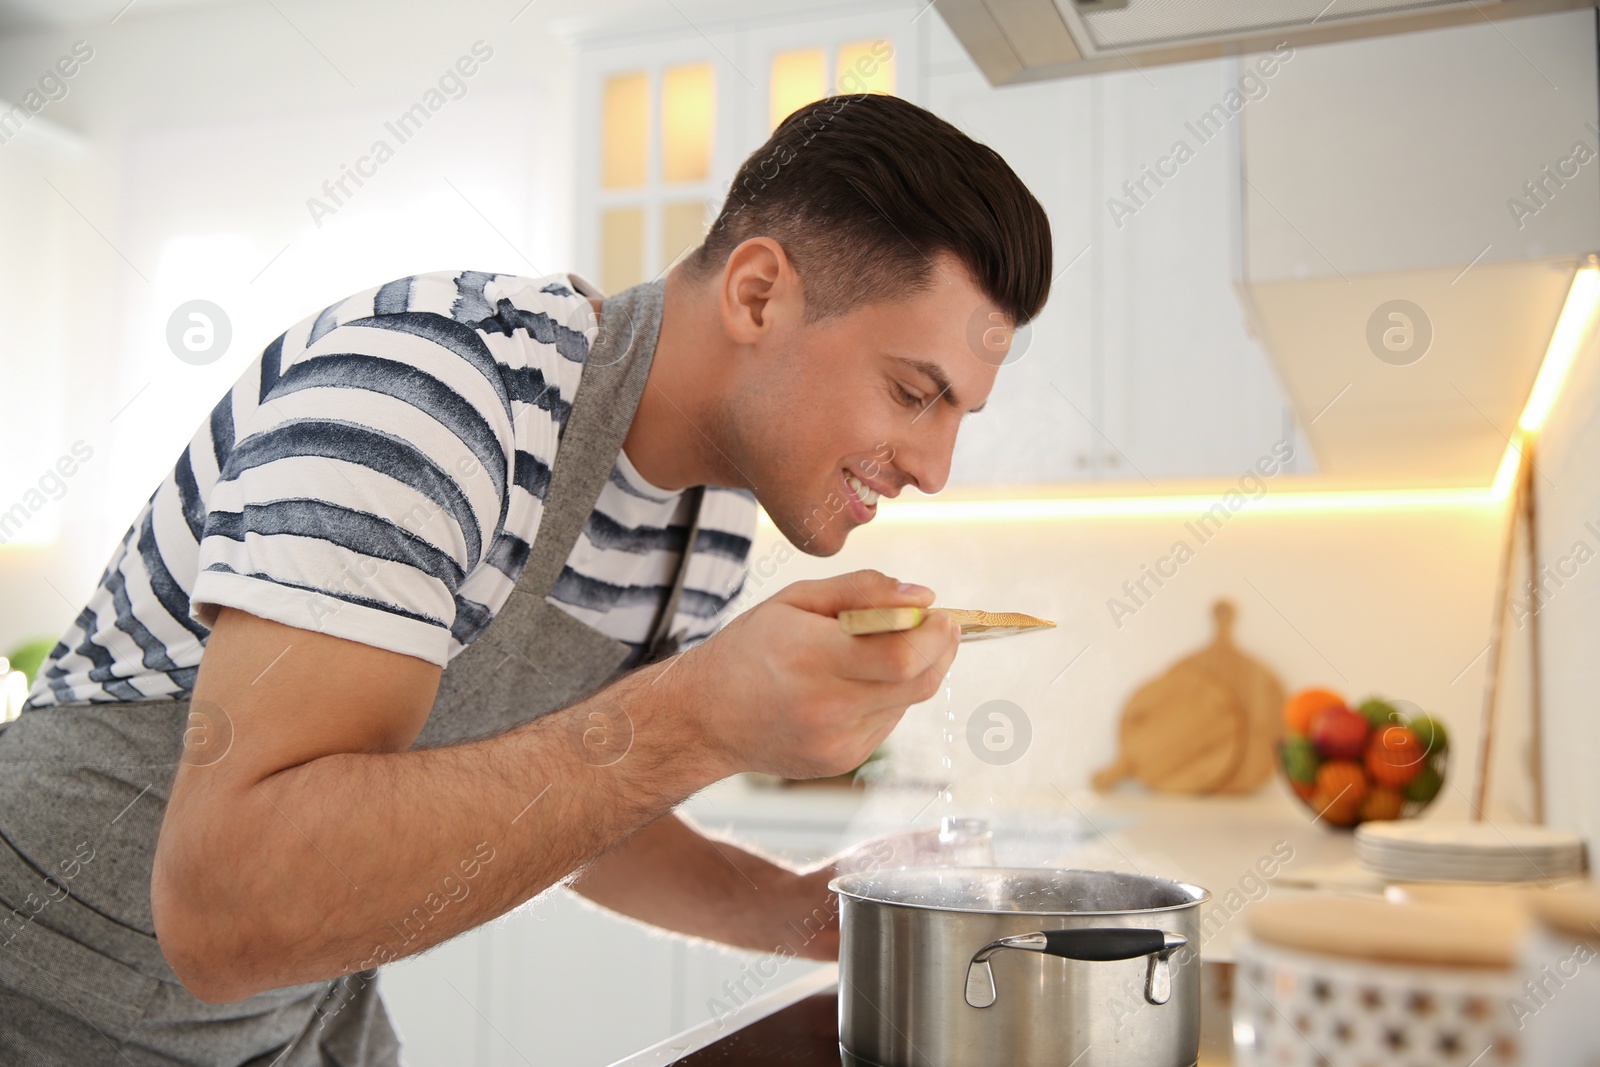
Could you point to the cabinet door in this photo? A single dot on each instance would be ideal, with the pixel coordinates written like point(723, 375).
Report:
point(1141, 366)
point(1187, 391)
point(790, 63)
point(1040, 424)
point(657, 138)
point(555, 983)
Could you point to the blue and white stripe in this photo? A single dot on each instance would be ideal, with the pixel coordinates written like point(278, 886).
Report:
point(378, 473)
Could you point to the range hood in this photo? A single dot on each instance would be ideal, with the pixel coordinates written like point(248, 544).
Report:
point(1031, 40)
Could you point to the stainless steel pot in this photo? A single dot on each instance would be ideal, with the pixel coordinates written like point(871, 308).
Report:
point(1018, 967)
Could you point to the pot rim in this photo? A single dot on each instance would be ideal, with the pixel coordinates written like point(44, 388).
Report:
point(1199, 894)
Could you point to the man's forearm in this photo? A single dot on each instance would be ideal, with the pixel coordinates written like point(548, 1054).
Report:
point(354, 859)
point(672, 876)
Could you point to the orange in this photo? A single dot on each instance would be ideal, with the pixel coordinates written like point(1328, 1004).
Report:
point(1340, 809)
point(1382, 803)
point(1341, 786)
point(1300, 709)
point(1342, 781)
point(1395, 755)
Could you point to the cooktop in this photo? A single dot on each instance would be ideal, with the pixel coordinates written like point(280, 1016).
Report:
point(805, 1034)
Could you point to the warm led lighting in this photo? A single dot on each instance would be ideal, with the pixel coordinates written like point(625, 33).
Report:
point(1510, 462)
point(1132, 506)
point(1094, 507)
point(1577, 318)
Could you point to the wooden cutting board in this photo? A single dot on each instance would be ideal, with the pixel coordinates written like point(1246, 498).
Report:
point(1182, 732)
point(1421, 934)
point(1210, 724)
point(1259, 693)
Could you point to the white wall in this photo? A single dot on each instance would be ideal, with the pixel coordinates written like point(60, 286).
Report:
point(1567, 489)
point(208, 132)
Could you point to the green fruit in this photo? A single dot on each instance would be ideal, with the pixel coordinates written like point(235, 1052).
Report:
point(1379, 713)
point(1431, 733)
point(1300, 759)
point(1425, 786)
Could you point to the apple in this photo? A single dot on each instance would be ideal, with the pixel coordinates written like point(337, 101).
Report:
point(1340, 734)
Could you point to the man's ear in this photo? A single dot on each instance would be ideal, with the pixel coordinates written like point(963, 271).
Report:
point(761, 292)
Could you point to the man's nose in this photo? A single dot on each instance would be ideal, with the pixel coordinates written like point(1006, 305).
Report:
point(926, 459)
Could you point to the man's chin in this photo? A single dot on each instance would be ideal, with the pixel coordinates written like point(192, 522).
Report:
point(806, 537)
point(817, 547)
point(826, 543)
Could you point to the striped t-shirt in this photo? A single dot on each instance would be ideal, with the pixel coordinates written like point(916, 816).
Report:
point(378, 473)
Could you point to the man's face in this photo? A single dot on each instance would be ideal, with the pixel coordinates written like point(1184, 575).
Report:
point(833, 414)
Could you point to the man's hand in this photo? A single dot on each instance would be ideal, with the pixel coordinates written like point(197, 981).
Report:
point(673, 876)
point(818, 939)
point(782, 689)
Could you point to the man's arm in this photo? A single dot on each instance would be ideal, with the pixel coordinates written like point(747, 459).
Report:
point(676, 877)
point(320, 843)
point(672, 876)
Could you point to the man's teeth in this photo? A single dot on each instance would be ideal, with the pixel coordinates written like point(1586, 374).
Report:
point(861, 489)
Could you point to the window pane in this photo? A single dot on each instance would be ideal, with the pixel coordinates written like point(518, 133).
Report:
point(798, 78)
point(683, 227)
point(866, 67)
point(625, 131)
point(688, 116)
point(621, 248)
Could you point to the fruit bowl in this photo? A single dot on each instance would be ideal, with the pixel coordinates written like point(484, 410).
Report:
point(1383, 759)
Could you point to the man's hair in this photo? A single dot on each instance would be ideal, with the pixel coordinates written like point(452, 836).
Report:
point(863, 190)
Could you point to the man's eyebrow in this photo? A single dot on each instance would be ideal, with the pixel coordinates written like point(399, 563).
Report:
point(939, 378)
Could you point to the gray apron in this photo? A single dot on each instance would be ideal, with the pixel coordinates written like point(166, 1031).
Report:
point(83, 789)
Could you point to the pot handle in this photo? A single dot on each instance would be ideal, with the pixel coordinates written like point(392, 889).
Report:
point(1097, 945)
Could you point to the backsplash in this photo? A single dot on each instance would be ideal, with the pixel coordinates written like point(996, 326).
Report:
point(1394, 601)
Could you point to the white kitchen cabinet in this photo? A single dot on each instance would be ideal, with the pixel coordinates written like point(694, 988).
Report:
point(1041, 422)
point(1141, 365)
point(1415, 209)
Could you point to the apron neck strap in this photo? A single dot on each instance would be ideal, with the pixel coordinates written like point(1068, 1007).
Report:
point(614, 376)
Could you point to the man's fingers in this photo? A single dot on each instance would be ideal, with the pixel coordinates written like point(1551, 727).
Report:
point(902, 656)
point(861, 589)
point(907, 848)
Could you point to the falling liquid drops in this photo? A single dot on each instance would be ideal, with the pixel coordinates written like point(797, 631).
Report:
point(948, 760)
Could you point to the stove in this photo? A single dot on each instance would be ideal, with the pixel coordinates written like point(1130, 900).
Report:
point(798, 1026)
point(805, 1034)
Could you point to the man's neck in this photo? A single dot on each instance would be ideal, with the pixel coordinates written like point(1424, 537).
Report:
point(672, 442)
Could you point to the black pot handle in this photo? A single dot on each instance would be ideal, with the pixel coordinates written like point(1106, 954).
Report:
point(1095, 944)
point(1103, 944)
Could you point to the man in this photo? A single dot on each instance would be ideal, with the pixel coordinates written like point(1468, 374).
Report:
point(393, 647)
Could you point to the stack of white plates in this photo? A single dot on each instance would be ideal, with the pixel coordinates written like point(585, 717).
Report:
point(1468, 852)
